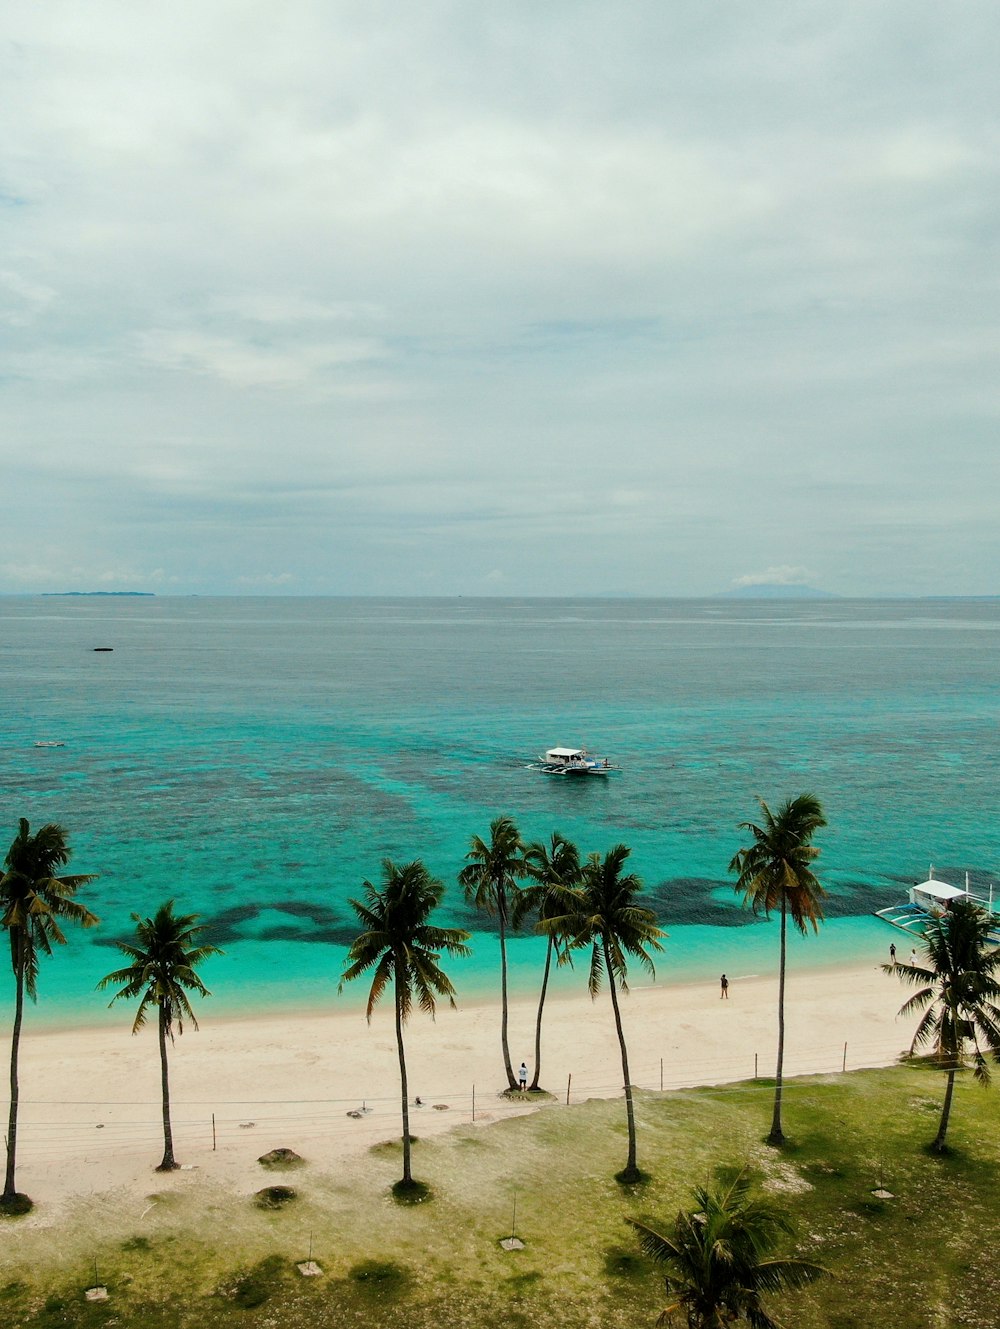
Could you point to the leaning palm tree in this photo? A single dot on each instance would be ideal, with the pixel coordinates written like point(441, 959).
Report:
point(719, 1261)
point(33, 903)
point(554, 868)
point(774, 873)
point(606, 916)
point(490, 880)
point(402, 948)
point(958, 991)
point(162, 971)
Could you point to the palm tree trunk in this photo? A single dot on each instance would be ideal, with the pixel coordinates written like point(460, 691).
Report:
point(502, 913)
point(777, 1135)
point(407, 1174)
point(169, 1163)
point(631, 1172)
point(538, 1020)
point(939, 1145)
point(9, 1189)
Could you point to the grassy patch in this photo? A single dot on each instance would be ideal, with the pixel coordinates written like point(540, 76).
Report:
point(136, 1244)
point(259, 1284)
point(381, 1280)
point(205, 1256)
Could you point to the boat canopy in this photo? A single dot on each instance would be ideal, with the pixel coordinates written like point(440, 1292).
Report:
point(555, 753)
point(935, 894)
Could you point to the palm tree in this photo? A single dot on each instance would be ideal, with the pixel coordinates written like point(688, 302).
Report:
point(34, 901)
point(774, 873)
point(958, 992)
point(554, 868)
point(719, 1261)
point(489, 881)
point(401, 947)
point(606, 917)
point(162, 971)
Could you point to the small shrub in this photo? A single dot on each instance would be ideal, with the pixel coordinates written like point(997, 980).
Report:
point(411, 1192)
point(281, 1160)
point(274, 1197)
point(16, 1206)
point(632, 1177)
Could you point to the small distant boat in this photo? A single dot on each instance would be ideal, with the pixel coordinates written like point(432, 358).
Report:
point(573, 761)
point(49, 743)
point(931, 899)
point(103, 648)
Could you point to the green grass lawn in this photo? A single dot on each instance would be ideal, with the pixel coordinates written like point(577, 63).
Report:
point(925, 1258)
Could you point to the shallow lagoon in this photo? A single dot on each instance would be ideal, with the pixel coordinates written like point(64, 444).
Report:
point(256, 758)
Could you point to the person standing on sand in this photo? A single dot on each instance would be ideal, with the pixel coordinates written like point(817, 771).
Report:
point(724, 984)
point(913, 958)
point(522, 1077)
point(892, 952)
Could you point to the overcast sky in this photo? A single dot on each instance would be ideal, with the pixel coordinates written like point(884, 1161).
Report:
point(560, 298)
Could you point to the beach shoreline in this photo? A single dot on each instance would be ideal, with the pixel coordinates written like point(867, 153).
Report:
point(326, 1083)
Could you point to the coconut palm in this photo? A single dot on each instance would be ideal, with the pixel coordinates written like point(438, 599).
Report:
point(33, 904)
point(958, 991)
point(490, 881)
point(774, 873)
point(719, 1261)
point(402, 948)
point(606, 916)
point(163, 970)
point(554, 868)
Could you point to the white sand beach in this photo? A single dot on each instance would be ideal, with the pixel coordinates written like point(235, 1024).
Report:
point(90, 1106)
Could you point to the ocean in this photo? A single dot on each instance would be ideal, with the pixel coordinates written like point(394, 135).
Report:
point(256, 759)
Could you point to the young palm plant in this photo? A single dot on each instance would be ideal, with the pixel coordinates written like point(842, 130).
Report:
point(775, 873)
point(605, 915)
point(490, 881)
point(958, 992)
point(33, 904)
point(719, 1259)
point(163, 970)
point(554, 869)
point(403, 949)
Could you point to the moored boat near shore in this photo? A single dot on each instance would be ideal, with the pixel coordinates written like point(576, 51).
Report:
point(932, 899)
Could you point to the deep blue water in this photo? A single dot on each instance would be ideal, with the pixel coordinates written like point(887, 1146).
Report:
point(255, 759)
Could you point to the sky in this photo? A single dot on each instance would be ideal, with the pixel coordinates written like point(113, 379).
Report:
point(565, 299)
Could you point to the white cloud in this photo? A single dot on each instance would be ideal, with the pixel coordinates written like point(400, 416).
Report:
point(243, 363)
point(268, 580)
point(779, 576)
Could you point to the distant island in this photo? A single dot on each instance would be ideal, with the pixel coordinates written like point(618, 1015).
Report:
point(115, 593)
point(774, 590)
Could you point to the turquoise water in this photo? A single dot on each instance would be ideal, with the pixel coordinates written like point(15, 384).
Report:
point(256, 758)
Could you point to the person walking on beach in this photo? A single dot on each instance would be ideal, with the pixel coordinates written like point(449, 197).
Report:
point(913, 958)
point(724, 984)
point(892, 952)
point(522, 1078)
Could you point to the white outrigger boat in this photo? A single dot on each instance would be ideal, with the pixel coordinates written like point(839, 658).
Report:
point(573, 761)
point(931, 899)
